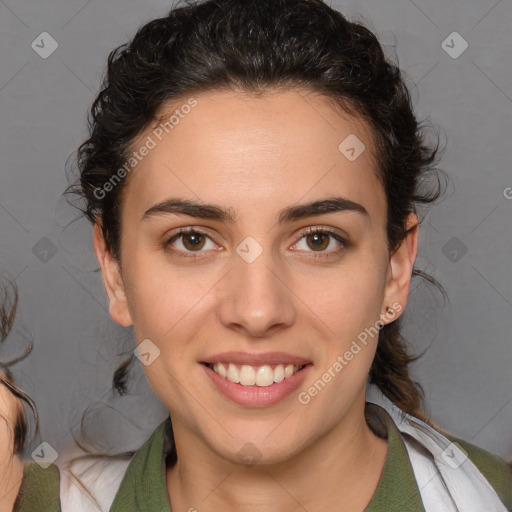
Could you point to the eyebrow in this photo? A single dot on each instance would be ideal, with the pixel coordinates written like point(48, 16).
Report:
point(286, 215)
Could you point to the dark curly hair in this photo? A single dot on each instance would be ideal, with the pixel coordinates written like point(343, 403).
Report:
point(255, 46)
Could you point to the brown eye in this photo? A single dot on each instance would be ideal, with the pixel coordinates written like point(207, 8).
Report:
point(189, 241)
point(318, 241)
point(193, 240)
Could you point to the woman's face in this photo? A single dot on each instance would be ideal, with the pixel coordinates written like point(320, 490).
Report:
point(259, 284)
point(10, 410)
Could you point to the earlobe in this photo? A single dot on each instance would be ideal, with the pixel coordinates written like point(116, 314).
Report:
point(112, 279)
point(401, 264)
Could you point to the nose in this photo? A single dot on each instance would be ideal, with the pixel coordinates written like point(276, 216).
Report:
point(255, 299)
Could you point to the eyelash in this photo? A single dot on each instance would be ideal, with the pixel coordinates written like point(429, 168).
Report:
point(196, 254)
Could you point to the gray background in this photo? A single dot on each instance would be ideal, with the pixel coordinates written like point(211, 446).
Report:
point(465, 240)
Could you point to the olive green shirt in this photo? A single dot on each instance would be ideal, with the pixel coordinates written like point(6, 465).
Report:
point(144, 489)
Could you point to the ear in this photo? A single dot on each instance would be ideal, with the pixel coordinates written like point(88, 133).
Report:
point(400, 268)
point(112, 279)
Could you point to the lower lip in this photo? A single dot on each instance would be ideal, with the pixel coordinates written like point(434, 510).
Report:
point(257, 396)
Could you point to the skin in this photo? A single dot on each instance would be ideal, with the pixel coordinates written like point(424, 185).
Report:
point(11, 467)
point(256, 156)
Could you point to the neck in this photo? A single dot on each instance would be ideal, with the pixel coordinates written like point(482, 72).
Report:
point(342, 467)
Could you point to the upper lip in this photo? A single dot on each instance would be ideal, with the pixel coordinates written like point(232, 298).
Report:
point(270, 358)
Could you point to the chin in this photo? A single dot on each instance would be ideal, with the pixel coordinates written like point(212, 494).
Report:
point(258, 452)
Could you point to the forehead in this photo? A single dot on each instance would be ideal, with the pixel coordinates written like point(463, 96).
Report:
point(250, 151)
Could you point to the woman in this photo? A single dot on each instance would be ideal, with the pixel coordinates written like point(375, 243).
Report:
point(252, 177)
point(13, 424)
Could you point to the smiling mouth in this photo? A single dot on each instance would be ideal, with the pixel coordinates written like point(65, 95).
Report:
point(263, 375)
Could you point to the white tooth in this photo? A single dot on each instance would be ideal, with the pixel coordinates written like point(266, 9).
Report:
point(219, 368)
point(288, 371)
point(233, 374)
point(247, 375)
point(250, 376)
point(279, 373)
point(264, 376)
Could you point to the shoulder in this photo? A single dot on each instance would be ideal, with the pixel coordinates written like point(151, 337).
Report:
point(39, 489)
point(85, 485)
point(428, 447)
point(496, 471)
point(91, 483)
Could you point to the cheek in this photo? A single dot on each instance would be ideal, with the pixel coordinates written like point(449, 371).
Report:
point(351, 307)
point(159, 299)
point(169, 309)
point(351, 296)
point(10, 410)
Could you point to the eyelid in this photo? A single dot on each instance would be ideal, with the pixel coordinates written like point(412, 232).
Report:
point(333, 233)
point(184, 231)
point(325, 229)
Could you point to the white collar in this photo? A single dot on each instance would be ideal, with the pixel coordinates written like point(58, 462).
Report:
point(445, 475)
